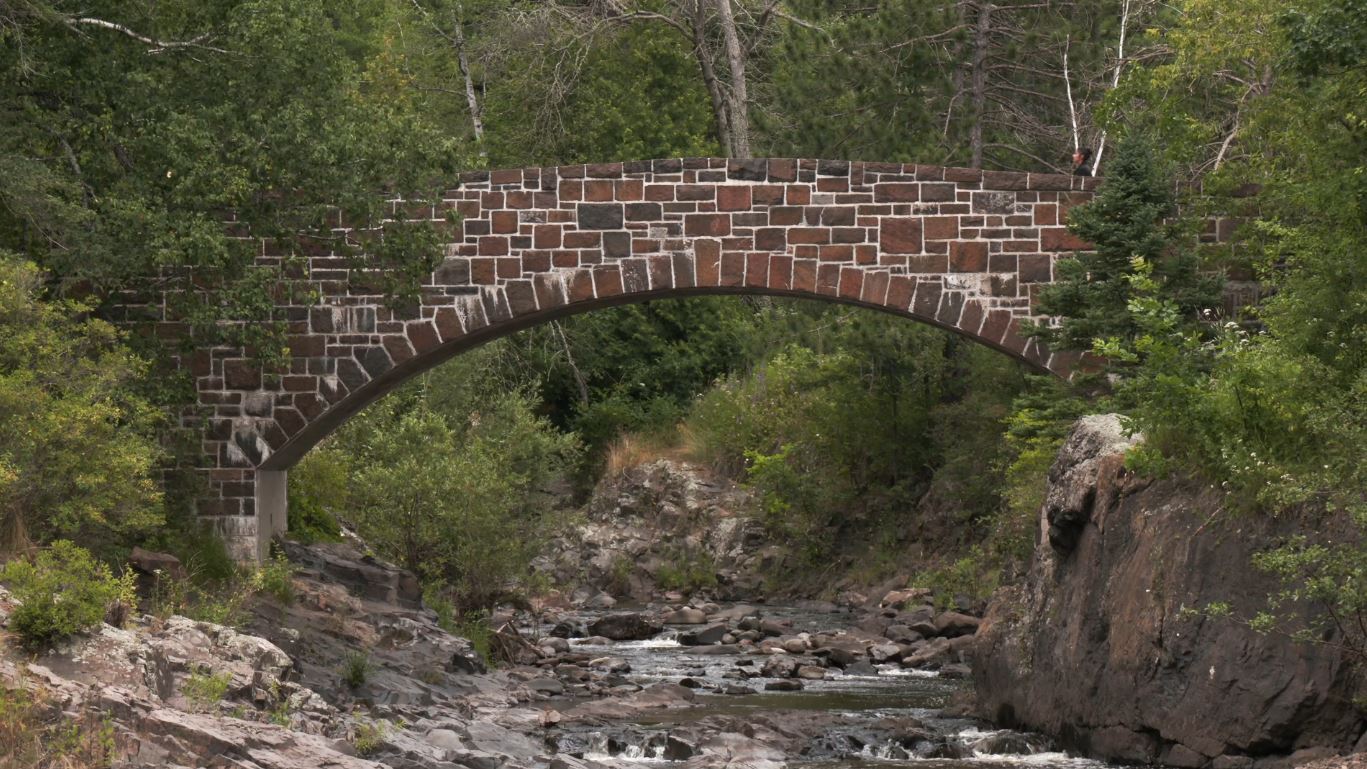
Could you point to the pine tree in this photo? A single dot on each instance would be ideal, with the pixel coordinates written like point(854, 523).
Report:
point(1127, 221)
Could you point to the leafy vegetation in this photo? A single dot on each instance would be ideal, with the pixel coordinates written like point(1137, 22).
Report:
point(63, 590)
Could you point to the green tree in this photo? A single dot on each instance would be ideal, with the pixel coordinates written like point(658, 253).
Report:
point(77, 453)
point(1125, 222)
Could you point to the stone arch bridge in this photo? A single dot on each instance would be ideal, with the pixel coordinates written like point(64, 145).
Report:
point(961, 249)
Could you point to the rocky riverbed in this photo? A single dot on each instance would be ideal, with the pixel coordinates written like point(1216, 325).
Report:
point(693, 684)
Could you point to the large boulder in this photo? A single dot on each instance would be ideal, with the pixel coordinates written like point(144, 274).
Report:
point(1105, 646)
point(627, 626)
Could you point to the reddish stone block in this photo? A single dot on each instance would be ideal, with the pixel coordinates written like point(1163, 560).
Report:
point(398, 348)
point(682, 265)
point(491, 200)
point(784, 216)
point(241, 374)
point(598, 190)
point(941, 227)
point(799, 195)
point(607, 280)
point(813, 235)
point(508, 267)
point(967, 256)
point(448, 324)
point(546, 236)
point(493, 245)
point(635, 275)
point(581, 286)
point(971, 319)
point(828, 279)
point(767, 194)
point(577, 239)
point(1003, 262)
point(994, 326)
point(733, 198)
point(782, 170)
point(659, 192)
point(835, 253)
point(833, 184)
point(938, 193)
point(804, 275)
point(900, 236)
point(771, 238)
point(1046, 213)
point(661, 272)
point(423, 336)
point(897, 192)
point(695, 192)
point(875, 287)
point(513, 176)
point(504, 222)
point(603, 170)
point(928, 263)
point(927, 300)
point(549, 291)
point(536, 261)
point(757, 270)
point(900, 290)
point(852, 283)
point(707, 225)
point(733, 269)
point(630, 189)
point(951, 307)
point(1060, 239)
point(780, 272)
point(707, 258)
point(520, 199)
point(1035, 268)
point(866, 253)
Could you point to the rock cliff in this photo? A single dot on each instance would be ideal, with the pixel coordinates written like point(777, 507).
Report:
point(1106, 645)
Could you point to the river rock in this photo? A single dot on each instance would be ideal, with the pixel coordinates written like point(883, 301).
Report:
point(952, 624)
point(796, 645)
point(780, 666)
point(784, 685)
point(685, 616)
point(811, 672)
point(632, 626)
point(888, 652)
point(705, 637)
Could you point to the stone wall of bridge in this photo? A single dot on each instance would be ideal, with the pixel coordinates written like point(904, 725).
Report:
point(962, 249)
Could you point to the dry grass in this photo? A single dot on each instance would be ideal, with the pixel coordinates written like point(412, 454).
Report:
point(633, 449)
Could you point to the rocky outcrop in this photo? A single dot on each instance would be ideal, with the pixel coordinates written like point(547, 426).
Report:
point(1107, 645)
point(652, 518)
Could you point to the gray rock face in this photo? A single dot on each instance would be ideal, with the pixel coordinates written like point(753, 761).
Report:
point(1100, 647)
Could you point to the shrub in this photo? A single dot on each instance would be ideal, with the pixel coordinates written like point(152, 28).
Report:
point(276, 579)
point(205, 689)
point(370, 736)
point(355, 668)
point(64, 591)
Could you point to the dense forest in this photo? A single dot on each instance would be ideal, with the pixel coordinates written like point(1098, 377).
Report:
point(129, 128)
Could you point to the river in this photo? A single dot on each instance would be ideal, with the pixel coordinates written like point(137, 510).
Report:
point(882, 716)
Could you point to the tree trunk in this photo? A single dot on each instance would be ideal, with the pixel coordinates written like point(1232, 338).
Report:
point(703, 54)
point(738, 101)
point(471, 97)
point(981, 38)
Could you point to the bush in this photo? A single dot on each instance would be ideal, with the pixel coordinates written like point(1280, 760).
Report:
point(276, 579)
point(355, 668)
point(64, 591)
point(206, 689)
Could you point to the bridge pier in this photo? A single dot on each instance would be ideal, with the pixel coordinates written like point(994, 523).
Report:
point(248, 512)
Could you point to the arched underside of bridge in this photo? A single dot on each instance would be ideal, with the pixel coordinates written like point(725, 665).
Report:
point(961, 249)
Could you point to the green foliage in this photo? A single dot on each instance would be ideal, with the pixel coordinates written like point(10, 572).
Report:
point(688, 571)
point(317, 493)
point(205, 688)
point(76, 448)
point(972, 577)
point(474, 627)
point(355, 669)
point(276, 579)
point(369, 737)
point(1092, 293)
point(1326, 581)
point(63, 591)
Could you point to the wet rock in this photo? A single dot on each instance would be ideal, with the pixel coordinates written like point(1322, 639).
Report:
point(705, 637)
point(548, 686)
point(737, 690)
point(811, 673)
point(567, 629)
point(780, 666)
point(861, 668)
point(784, 685)
point(632, 626)
point(679, 749)
point(881, 653)
point(1006, 743)
point(691, 683)
point(600, 602)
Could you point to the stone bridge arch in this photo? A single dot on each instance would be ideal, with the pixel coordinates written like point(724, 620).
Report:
point(962, 249)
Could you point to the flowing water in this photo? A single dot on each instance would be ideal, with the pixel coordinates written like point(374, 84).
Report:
point(892, 717)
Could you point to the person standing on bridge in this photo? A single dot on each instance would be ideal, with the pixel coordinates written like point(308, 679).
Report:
point(1082, 161)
